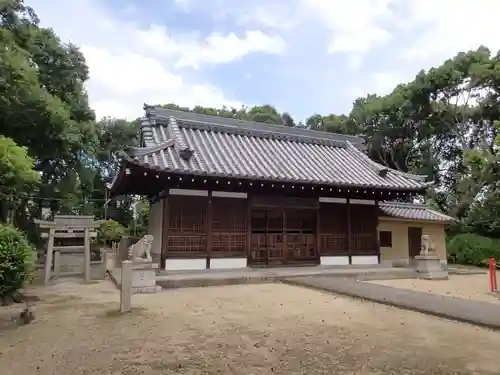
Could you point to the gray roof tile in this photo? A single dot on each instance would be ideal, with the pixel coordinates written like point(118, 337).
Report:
point(191, 143)
point(411, 211)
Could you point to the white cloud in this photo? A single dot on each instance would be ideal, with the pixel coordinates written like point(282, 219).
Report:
point(356, 26)
point(121, 82)
point(279, 16)
point(380, 83)
point(218, 48)
point(130, 64)
point(447, 27)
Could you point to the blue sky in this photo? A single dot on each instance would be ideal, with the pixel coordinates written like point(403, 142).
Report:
point(302, 56)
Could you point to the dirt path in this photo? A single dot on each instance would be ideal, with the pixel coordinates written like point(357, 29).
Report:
point(474, 287)
point(253, 329)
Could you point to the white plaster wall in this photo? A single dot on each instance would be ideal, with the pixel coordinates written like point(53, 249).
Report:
point(185, 264)
point(364, 259)
point(228, 263)
point(155, 226)
point(362, 201)
point(332, 200)
point(334, 261)
point(228, 194)
point(194, 193)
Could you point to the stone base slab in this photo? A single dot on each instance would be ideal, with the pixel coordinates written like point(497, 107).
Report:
point(429, 267)
point(145, 266)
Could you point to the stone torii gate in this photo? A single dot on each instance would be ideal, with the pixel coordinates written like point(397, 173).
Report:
point(68, 227)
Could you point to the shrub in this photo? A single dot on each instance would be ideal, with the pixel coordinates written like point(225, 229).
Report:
point(474, 249)
point(111, 231)
point(17, 261)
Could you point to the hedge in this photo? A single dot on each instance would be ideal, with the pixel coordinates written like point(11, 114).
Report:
point(473, 249)
point(17, 261)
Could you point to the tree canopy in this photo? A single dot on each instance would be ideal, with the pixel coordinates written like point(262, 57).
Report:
point(445, 123)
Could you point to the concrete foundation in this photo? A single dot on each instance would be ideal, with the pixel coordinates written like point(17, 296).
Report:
point(204, 278)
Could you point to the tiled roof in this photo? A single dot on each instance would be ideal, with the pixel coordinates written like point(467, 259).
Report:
point(198, 144)
point(411, 211)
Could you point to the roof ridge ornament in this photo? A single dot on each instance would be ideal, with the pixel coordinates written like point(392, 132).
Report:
point(150, 110)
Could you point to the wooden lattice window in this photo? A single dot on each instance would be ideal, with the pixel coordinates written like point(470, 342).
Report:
point(187, 232)
point(229, 226)
point(333, 218)
point(364, 218)
point(187, 243)
point(303, 221)
point(333, 229)
point(365, 243)
point(187, 214)
point(333, 244)
point(229, 215)
point(229, 243)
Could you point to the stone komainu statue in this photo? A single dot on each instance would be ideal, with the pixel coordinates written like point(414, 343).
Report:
point(427, 246)
point(141, 250)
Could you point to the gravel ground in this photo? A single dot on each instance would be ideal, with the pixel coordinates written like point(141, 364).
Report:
point(474, 287)
point(247, 329)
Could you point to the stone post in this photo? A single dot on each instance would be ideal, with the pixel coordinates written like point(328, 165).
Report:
point(48, 258)
point(126, 287)
point(86, 255)
point(57, 263)
point(105, 260)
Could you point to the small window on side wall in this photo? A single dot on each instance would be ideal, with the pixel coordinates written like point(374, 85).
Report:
point(385, 239)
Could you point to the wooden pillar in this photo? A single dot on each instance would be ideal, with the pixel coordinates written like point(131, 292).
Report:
point(250, 257)
point(164, 232)
point(318, 234)
point(86, 254)
point(349, 231)
point(48, 257)
point(376, 231)
point(249, 231)
point(209, 227)
point(284, 241)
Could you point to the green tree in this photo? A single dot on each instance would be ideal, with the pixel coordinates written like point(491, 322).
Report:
point(111, 232)
point(17, 176)
point(44, 107)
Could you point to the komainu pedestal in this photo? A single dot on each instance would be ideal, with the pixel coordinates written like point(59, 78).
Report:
point(428, 263)
point(143, 268)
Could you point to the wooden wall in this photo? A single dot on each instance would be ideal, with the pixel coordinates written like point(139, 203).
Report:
point(284, 230)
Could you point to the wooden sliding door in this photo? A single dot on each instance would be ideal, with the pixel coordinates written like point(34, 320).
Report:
point(283, 236)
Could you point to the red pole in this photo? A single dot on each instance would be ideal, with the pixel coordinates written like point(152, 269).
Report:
point(493, 275)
